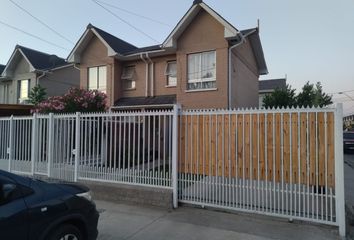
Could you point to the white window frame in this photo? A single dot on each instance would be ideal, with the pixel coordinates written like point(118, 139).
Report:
point(201, 79)
point(126, 76)
point(97, 87)
point(168, 74)
point(6, 93)
point(21, 99)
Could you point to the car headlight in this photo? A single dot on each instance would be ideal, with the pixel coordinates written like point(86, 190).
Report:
point(86, 195)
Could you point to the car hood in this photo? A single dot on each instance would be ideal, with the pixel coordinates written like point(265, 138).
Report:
point(72, 188)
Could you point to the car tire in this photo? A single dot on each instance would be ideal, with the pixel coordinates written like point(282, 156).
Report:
point(66, 232)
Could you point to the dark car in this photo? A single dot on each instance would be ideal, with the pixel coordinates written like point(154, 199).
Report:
point(348, 141)
point(36, 210)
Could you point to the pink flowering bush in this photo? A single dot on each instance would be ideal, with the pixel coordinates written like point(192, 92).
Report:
point(75, 100)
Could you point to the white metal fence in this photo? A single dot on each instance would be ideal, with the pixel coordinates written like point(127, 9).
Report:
point(125, 147)
point(286, 163)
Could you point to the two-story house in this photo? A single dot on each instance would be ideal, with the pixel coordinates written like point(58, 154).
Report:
point(268, 86)
point(27, 67)
point(205, 62)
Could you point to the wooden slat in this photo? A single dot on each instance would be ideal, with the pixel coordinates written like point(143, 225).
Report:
point(303, 148)
point(233, 142)
point(321, 148)
point(294, 148)
point(330, 142)
point(312, 138)
point(240, 144)
point(277, 169)
point(270, 148)
point(262, 146)
point(247, 127)
point(286, 147)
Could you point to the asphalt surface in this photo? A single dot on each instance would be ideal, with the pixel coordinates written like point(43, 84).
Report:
point(124, 221)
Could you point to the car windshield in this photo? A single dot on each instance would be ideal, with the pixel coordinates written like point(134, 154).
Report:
point(348, 135)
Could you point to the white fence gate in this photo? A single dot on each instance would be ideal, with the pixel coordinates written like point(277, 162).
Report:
point(286, 163)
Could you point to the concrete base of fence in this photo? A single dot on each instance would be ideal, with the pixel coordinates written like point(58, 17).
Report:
point(114, 192)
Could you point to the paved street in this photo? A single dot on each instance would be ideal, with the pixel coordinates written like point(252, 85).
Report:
point(122, 221)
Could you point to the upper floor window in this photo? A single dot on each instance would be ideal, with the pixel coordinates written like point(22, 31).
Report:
point(202, 70)
point(97, 78)
point(23, 90)
point(128, 77)
point(171, 73)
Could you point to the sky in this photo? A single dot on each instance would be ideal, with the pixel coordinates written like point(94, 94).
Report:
point(305, 40)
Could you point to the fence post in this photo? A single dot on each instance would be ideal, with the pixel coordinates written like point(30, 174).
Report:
point(50, 143)
point(10, 148)
point(77, 145)
point(175, 155)
point(34, 147)
point(339, 170)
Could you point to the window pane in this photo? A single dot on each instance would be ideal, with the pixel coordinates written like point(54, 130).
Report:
point(102, 78)
point(24, 89)
point(193, 66)
point(201, 70)
point(171, 81)
point(171, 73)
point(171, 69)
point(129, 84)
point(208, 65)
point(128, 73)
point(92, 83)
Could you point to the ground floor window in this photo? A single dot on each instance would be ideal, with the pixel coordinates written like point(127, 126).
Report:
point(97, 78)
point(23, 91)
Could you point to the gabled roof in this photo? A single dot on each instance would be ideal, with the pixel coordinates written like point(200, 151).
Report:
point(272, 84)
point(229, 30)
point(115, 46)
point(252, 35)
point(38, 61)
point(120, 48)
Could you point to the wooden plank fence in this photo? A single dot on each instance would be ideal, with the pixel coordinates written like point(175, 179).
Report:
point(294, 147)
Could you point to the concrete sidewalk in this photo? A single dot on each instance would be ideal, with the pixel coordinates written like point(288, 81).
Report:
point(122, 221)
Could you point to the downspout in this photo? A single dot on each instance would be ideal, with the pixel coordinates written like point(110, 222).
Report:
point(230, 65)
point(151, 74)
point(76, 67)
point(40, 76)
point(146, 74)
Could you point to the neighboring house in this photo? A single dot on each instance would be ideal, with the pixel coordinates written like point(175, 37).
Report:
point(268, 86)
point(205, 62)
point(27, 67)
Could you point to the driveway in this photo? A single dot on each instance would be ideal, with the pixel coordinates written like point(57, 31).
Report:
point(122, 221)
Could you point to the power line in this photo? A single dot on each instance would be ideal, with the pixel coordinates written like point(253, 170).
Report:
point(126, 22)
point(135, 14)
point(32, 35)
point(41, 22)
